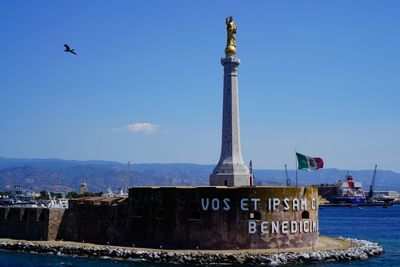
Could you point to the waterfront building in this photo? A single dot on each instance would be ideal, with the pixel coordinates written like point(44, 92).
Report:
point(83, 188)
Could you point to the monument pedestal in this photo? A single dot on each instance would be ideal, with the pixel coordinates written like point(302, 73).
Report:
point(230, 170)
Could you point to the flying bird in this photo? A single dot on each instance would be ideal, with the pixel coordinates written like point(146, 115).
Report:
point(68, 49)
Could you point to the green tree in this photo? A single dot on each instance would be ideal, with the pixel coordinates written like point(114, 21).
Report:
point(72, 194)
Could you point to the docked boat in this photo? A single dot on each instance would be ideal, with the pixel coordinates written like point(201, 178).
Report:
point(348, 191)
point(19, 198)
point(24, 198)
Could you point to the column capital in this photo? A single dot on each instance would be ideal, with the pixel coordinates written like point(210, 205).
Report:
point(230, 60)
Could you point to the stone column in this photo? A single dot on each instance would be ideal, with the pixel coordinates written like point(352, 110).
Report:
point(231, 170)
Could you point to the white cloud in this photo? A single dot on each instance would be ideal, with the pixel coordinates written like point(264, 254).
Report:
point(143, 127)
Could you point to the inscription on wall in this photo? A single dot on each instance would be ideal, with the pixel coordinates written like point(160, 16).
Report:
point(269, 205)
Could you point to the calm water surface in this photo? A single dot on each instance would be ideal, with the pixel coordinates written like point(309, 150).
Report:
point(372, 223)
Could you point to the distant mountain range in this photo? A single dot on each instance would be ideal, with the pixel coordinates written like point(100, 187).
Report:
point(65, 175)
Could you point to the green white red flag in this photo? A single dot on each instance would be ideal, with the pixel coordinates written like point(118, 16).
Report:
point(309, 163)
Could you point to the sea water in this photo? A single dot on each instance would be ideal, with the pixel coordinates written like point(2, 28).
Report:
point(376, 224)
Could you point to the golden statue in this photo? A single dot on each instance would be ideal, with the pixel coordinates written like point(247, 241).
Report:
point(230, 49)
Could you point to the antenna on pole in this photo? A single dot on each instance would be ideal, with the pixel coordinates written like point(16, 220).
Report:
point(297, 167)
point(127, 177)
point(251, 173)
point(287, 177)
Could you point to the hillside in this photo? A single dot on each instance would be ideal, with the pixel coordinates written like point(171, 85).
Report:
point(65, 175)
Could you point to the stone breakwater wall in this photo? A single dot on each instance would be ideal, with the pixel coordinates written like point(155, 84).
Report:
point(99, 220)
point(359, 250)
point(96, 220)
point(30, 223)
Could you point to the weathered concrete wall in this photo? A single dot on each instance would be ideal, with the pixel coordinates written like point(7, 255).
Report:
point(30, 223)
point(97, 220)
point(198, 217)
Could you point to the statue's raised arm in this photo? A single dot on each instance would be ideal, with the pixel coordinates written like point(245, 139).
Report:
point(231, 37)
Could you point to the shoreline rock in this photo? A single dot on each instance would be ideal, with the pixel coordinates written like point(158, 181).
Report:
point(359, 250)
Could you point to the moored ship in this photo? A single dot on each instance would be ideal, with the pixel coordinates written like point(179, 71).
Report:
point(348, 191)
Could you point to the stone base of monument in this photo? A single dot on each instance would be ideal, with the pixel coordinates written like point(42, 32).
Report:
point(220, 217)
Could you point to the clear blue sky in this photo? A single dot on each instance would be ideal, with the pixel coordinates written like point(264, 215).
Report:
point(321, 77)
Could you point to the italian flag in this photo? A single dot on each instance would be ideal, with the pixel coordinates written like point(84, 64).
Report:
point(309, 163)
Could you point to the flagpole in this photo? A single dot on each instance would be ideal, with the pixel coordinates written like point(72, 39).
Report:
point(296, 169)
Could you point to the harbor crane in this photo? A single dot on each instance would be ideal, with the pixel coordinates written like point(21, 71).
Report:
point(372, 186)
